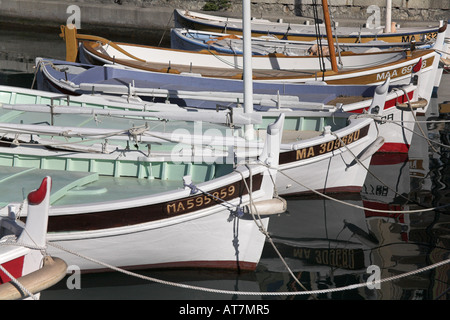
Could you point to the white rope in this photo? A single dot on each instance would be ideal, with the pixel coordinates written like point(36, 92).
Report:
point(360, 207)
point(248, 293)
point(264, 231)
point(10, 240)
point(369, 172)
point(415, 118)
point(257, 220)
point(429, 141)
point(18, 284)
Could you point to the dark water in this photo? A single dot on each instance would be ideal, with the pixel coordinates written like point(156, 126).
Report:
point(326, 244)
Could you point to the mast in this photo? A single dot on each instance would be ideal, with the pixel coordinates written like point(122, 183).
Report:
point(326, 16)
point(247, 73)
point(388, 16)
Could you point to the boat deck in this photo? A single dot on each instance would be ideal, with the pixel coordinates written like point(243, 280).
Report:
point(74, 187)
point(91, 48)
point(217, 72)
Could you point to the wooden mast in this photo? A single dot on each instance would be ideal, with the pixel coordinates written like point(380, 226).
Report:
point(326, 16)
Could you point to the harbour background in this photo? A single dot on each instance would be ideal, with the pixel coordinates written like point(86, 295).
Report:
point(326, 244)
point(143, 15)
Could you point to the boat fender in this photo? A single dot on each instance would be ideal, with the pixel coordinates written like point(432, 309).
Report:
point(445, 61)
point(53, 270)
point(268, 207)
point(407, 106)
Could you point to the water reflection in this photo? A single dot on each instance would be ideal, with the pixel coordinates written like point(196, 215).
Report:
point(325, 243)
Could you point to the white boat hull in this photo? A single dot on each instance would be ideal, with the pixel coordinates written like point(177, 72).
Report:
point(175, 228)
point(327, 169)
point(209, 241)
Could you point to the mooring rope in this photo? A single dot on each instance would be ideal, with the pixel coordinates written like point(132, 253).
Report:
point(18, 284)
point(252, 207)
point(265, 232)
point(415, 117)
point(429, 141)
point(257, 220)
point(11, 240)
point(248, 293)
point(360, 207)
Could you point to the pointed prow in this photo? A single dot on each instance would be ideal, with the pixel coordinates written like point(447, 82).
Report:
point(379, 98)
point(37, 217)
point(69, 34)
point(271, 151)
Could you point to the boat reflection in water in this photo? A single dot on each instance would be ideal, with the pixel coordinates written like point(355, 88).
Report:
point(325, 243)
point(322, 241)
point(329, 245)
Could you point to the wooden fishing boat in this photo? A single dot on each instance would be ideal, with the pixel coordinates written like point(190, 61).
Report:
point(197, 40)
point(396, 65)
point(362, 69)
point(199, 92)
point(290, 31)
point(210, 63)
point(318, 148)
point(132, 208)
point(135, 207)
point(339, 234)
point(25, 268)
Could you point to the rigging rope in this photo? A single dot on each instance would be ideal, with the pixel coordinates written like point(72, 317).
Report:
point(319, 40)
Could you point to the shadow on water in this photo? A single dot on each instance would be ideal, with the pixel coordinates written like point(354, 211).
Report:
point(325, 244)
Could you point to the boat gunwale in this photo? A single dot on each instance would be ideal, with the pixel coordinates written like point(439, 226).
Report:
point(236, 75)
point(218, 23)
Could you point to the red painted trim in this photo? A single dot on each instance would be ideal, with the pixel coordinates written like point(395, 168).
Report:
point(390, 103)
point(381, 159)
point(395, 208)
point(14, 267)
point(394, 147)
point(402, 99)
point(37, 196)
point(228, 265)
point(418, 66)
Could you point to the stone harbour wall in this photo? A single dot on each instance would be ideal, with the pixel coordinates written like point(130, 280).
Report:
point(157, 14)
point(402, 10)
